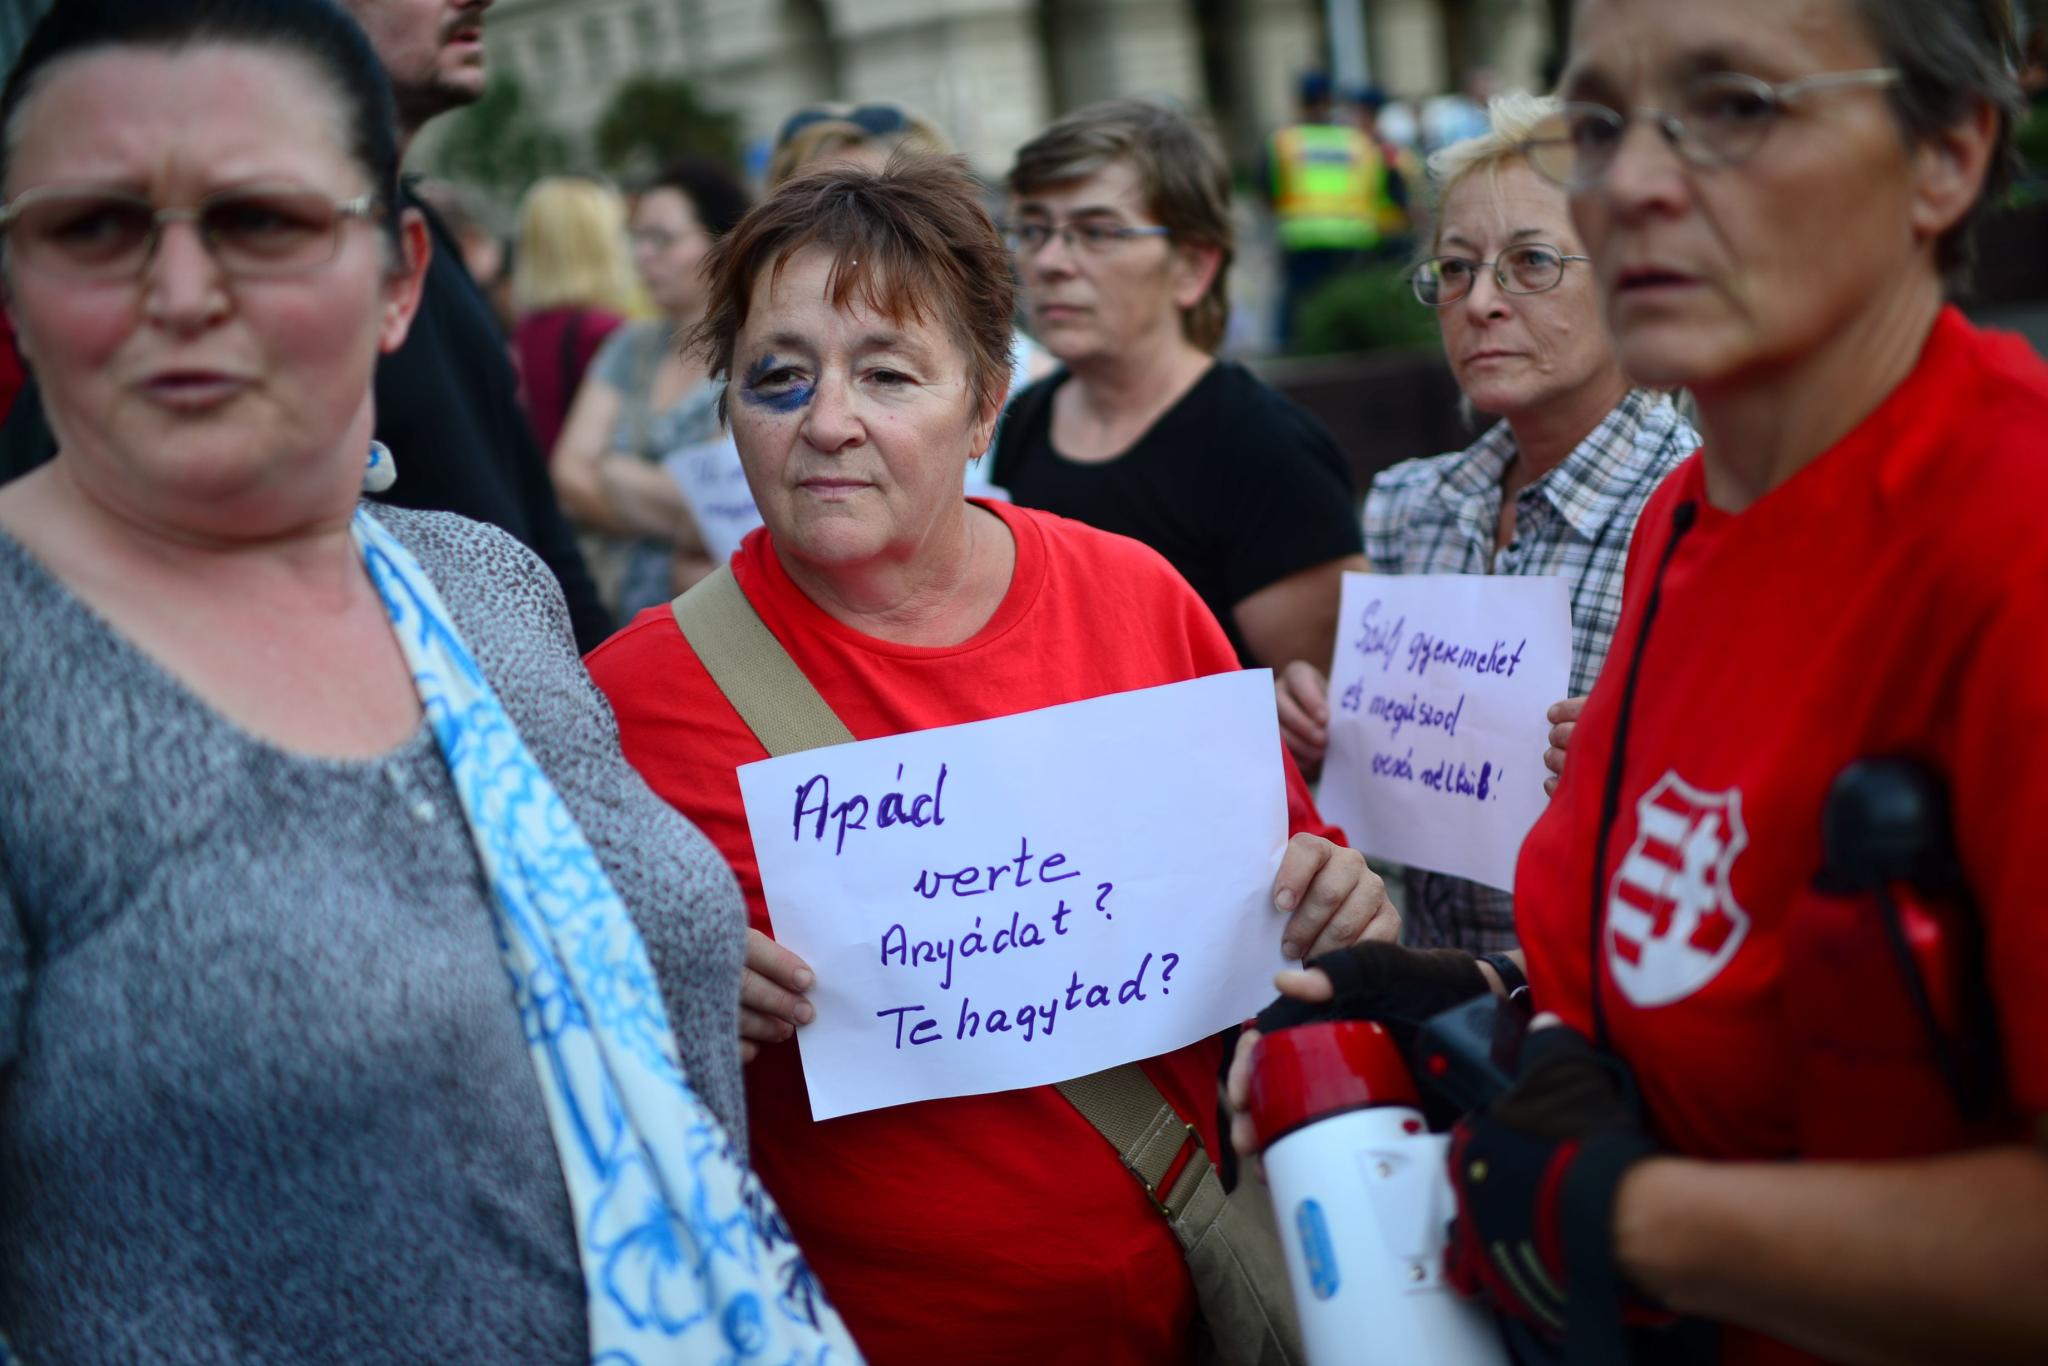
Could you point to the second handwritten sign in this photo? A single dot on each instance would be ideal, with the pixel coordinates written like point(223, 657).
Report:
point(715, 486)
point(1437, 698)
point(1030, 898)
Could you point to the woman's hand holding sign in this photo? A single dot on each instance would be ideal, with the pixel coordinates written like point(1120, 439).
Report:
point(1332, 899)
point(1564, 718)
point(1303, 697)
point(772, 1003)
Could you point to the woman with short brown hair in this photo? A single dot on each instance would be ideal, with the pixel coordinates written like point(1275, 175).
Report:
point(864, 321)
point(1120, 224)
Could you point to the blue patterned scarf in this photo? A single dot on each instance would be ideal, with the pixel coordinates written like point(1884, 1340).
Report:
point(685, 1258)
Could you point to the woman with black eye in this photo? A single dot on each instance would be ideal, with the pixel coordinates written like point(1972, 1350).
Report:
point(868, 135)
point(328, 1029)
point(864, 319)
point(1789, 902)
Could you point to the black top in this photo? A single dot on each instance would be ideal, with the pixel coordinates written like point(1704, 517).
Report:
point(448, 407)
point(1235, 485)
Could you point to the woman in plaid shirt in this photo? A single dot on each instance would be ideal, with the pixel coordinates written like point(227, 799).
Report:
point(1554, 487)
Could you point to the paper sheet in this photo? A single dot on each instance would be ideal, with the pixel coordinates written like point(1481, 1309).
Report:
point(715, 487)
point(1030, 898)
point(1438, 691)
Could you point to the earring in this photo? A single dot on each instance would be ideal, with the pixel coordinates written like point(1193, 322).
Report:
point(382, 472)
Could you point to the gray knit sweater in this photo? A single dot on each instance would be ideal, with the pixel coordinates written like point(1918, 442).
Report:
point(263, 1093)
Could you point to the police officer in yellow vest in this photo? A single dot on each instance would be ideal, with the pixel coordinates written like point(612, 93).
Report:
point(1326, 180)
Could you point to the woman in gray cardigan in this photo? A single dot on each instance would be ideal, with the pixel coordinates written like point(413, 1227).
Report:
point(357, 1001)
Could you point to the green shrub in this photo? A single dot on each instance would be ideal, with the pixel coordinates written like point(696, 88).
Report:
point(500, 145)
point(1371, 309)
point(652, 120)
point(2031, 140)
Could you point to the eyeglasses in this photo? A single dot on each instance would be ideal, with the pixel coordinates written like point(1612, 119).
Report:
point(87, 234)
point(660, 239)
point(1094, 236)
point(1721, 120)
point(1527, 269)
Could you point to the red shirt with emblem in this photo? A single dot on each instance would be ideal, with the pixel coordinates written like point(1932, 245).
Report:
point(1891, 598)
point(997, 1228)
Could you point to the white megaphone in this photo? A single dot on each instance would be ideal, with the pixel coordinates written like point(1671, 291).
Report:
point(1363, 1201)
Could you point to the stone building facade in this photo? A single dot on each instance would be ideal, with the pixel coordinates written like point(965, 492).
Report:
point(994, 71)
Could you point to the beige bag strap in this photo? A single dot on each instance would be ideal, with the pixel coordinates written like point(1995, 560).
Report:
point(1148, 1134)
point(1231, 1245)
point(752, 669)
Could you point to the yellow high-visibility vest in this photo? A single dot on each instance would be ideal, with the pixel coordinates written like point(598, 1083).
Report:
point(1326, 181)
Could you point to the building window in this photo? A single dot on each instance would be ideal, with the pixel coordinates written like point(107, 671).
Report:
point(597, 47)
point(547, 66)
point(647, 35)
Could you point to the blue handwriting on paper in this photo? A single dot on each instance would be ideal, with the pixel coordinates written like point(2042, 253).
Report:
point(890, 808)
point(717, 466)
point(900, 950)
point(1378, 637)
point(1452, 779)
point(968, 881)
point(1417, 712)
point(1032, 1019)
point(1461, 781)
point(1425, 650)
point(1390, 766)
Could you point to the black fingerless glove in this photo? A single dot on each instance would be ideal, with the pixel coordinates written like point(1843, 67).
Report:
point(1535, 1176)
point(1390, 984)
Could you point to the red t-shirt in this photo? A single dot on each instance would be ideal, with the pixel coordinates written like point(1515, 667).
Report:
point(1889, 599)
point(994, 1228)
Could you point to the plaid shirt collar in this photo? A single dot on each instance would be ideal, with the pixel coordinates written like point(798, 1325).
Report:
point(1585, 488)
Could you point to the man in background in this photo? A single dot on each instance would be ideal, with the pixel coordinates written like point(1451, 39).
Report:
point(447, 401)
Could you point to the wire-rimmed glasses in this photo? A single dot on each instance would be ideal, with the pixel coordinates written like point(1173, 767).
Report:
point(96, 234)
point(1720, 120)
point(1529, 268)
point(1095, 236)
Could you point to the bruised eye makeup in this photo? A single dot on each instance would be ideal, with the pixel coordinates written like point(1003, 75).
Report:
point(777, 387)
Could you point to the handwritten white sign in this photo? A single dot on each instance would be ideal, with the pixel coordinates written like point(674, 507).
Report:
point(1437, 698)
point(1030, 898)
point(716, 489)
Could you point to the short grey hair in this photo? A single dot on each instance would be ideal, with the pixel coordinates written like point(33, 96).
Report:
point(1513, 118)
point(1181, 170)
point(1953, 55)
